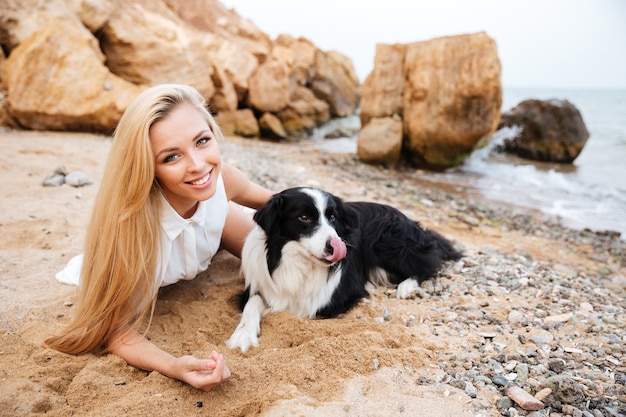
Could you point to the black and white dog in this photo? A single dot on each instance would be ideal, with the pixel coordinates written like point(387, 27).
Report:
point(313, 254)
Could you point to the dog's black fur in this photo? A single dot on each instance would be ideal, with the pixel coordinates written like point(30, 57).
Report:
point(377, 236)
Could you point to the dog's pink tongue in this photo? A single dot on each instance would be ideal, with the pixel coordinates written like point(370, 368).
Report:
point(339, 250)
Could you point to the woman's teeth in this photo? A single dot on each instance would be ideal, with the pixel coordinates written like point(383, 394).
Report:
point(201, 181)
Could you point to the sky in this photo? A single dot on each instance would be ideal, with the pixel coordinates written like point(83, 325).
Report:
point(541, 43)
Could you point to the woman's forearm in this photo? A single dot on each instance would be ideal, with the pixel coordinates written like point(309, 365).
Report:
point(138, 351)
point(134, 348)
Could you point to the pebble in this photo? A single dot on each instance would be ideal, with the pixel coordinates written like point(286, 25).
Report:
point(543, 394)
point(62, 176)
point(523, 398)
point(77, 179)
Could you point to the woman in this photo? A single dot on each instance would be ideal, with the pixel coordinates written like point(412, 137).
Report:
point(162, 211)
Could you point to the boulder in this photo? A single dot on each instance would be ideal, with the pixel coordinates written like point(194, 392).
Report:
point(447, 91)
point(239, 64)
point(197, 42)
point(300, 54)
point(20, 18)
point(271, 127)
point(225, 97)
point(149, 44)
point(269, 87)
point(452, 98)
point(238, 123)
point(544, 130)
point(56, 80)
point(383, 88)
point(93, 13)
point(336, 83)
point(303, 113)
point(6, 120)
point(380, 141)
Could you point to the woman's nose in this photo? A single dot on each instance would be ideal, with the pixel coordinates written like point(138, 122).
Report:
point(196, 162)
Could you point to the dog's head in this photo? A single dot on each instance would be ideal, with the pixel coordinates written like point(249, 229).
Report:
point(312, 221)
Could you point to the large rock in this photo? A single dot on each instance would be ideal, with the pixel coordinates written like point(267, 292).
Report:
point(383, 88)
point(20, 18)
point(239, 64)
point(148, 44)
point(544, 130)
point(93, 13)
point(336, 83)
point(452, 98)
point(269, 87)
point(198, 42)
point(56, 79)
point(240, 123)
point(303, 113)
point(447, 91)
point(373, 150)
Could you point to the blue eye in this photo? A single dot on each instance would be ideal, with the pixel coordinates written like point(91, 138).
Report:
point(170, 158)
point(203, 140)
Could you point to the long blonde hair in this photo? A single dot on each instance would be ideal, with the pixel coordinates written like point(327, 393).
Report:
point(118, 278)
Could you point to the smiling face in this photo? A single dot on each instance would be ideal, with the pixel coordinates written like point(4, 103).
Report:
point(187, 158)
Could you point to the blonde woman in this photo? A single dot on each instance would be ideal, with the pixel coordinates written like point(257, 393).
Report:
point(161, 213)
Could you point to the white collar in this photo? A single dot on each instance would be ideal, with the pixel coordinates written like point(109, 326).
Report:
point(173, 223)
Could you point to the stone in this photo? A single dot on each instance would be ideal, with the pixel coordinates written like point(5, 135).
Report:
point(201, 43)
point(522, 398)
point(93, 13)
point(240, 122)
point(225, 97)
point(335, 82)
point(145, 43)
point(59, 54)
point(544, 130)
point(271, 127)
point(303, 113)
point(447, 91)
point(237, 62)
point(383, 88)
point(21, 18)
point(452, 98)
point(380, 141)
point(269, 87)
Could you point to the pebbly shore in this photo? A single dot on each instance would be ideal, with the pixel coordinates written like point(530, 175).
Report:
point(550, 313)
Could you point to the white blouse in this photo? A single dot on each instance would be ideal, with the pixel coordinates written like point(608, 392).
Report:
point(187, 245)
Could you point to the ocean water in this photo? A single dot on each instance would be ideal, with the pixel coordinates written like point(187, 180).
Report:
point(590, 193)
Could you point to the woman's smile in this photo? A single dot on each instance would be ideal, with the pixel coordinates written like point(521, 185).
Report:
point(202, 180)
point(187, 158)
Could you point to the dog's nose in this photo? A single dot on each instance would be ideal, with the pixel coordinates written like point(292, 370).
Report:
point(336, 248)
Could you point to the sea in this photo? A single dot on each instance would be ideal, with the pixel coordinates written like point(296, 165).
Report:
point(588, 194)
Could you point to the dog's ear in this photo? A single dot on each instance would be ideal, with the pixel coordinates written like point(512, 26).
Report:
point(347, 215)
point(269, 214)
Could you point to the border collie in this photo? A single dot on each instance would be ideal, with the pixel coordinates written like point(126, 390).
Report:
point(313, 255)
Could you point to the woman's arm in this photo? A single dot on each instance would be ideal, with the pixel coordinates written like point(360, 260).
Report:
point(241, 190)
point(204, 374)
point(244, 192)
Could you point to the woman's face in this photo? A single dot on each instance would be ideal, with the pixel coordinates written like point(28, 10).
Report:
point(187, 158)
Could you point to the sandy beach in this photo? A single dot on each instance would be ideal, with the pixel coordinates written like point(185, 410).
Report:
point(529, 298)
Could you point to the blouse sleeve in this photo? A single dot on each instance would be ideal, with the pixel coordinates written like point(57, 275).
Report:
point(71, 273)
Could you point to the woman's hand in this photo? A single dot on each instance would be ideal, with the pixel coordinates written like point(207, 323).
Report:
point(204, 374)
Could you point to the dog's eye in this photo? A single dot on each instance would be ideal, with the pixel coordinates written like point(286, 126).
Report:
point(332, 218)
point(304, 218)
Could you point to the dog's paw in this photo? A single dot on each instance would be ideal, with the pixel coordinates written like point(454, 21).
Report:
point(243, 337)
point(406, 288)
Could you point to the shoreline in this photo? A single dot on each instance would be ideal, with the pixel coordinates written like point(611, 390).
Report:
point(529, 298)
